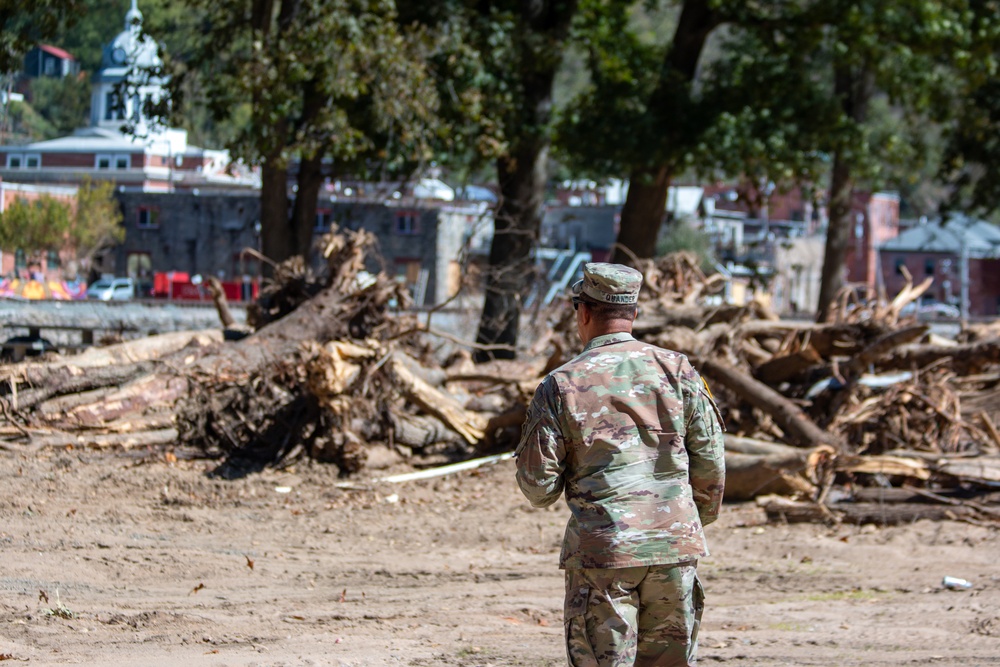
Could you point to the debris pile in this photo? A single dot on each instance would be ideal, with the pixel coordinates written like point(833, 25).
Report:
point(869, 416)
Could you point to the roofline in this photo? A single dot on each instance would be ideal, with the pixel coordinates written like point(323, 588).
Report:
point(56, 51)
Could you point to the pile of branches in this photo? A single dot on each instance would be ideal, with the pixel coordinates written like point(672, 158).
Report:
point(865, 417)
point(836, 420)
point(326, 369)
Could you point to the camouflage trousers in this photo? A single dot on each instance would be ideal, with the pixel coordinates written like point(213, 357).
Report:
point(633, 616)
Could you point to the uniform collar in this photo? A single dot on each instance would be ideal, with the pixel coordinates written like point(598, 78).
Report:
point(608, 339)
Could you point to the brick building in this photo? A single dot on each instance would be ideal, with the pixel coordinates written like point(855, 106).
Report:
point(962, 255)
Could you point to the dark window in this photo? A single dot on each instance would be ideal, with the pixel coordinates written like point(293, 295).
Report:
point(121, 161)
point(900, 263)
point(109, 106)
point(14, 161)
point(104, 162)
point(929, 267)
point(407, 222)
point(52, 259)
point(324, 217)
point(33, 161)
point(148, 218)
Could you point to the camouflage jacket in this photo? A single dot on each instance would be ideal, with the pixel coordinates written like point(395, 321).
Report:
point(632, 434)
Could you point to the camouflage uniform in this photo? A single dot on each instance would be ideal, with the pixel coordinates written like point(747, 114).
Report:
point(632, 435)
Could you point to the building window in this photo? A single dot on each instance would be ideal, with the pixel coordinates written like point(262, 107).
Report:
point(900, 263)
point(32, 161)
point(407, 223)
point(102, 162)
point(929, 267)
point(148, 218)
point(122, 161)
point(111, 109)
point(52, 259)
point(14, 161)
point(324, 217)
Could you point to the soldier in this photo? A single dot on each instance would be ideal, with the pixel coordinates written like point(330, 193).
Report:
point(632, 434)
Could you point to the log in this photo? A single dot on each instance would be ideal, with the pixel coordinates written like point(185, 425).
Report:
point(134, 398)
point(884, 465)
point(419, 431)
point(470, 425)
point(786, 414)
point(884, 344)
point(980, 469)
point(128, 352)
point(785, 510)
point(166, 436)
point(221, 303)
point(97, 368)
point(964, 359)
point(786, 367)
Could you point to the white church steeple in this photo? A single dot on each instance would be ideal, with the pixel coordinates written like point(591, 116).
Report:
point(126, 55)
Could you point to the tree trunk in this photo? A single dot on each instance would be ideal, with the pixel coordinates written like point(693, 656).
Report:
point(642, 214)
point(645, 204)
point(303, 222)
point(310, 176)
point(538, 45)
point(854, 91)
point(516, 227)
point(275, 239)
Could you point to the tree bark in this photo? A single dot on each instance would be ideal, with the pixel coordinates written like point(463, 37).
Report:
point(642, 214)
point(543, 28)
point(275, 239)
point(310, 176)
point(645, 204)
point(854, 89)
point(788, 416)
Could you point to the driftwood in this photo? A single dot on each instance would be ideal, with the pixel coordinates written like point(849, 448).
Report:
point(858, 408)
point(969, 358)
point(221, 303)
point(97, 368)
point(758, 467)
point(786, 510)
point(470, 425)
point(788, 416)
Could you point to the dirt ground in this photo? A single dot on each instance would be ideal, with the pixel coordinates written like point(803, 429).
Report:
point(131, 559)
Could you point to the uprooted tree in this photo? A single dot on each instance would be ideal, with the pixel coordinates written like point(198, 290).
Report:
point(823, 419)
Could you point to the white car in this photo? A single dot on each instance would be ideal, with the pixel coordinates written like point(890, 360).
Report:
point(932, 310)
point(112, 289)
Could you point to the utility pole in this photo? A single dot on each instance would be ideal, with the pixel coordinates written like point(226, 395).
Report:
point(964, 273)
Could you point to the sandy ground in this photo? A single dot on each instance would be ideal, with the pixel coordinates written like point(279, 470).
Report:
point(128, 559)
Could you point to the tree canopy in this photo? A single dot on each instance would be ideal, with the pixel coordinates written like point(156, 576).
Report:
point(91, 223)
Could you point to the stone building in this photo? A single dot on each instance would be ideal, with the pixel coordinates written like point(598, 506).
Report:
point(420, 242)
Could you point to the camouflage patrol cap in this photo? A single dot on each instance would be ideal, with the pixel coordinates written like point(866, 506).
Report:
point(609, 283)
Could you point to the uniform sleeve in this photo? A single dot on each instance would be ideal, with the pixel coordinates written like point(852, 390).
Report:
point(541, 454)
point(706, 451)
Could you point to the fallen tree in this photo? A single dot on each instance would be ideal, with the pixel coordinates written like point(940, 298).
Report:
point(866, 401)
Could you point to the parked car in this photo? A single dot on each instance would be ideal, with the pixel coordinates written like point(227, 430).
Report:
point(932, 310)
point(112, 289)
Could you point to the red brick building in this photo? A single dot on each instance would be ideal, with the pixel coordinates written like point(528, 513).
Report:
point(962, 256)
